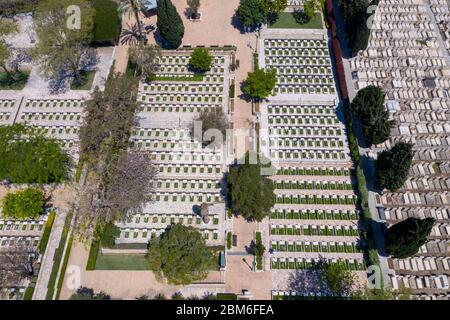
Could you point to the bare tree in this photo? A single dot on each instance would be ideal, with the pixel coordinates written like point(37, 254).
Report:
point(124, 189)
point(146, 57)
point(194, 5)
point(17, 263)
point(213, 120)
point(129, 184)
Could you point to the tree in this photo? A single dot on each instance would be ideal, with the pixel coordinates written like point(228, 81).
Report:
point(201, 60)
point(404, 239)
point(25, 204)
point(214, 124)
point(133, 8)
point(146, 57)
point(355, 15)
point(63, 49)
point(194, 5)
point(252, 194)
point(180, 254)
point(402, 293)
point(7, 56)
point(272, 8)
point(169, 24)
point(310, 8)
point(393, 166)
point(340, 280)
point(370, 107)
point(84, 293)
point(27, 156)
point(260, 83)
point(17, 263)
point(251, 13)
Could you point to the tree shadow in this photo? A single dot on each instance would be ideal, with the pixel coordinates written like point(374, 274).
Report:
point(243, 95)
point(250, 249)
point(368, 165)
point(237, 24)
point(309, 282)
point(196, 209)
point(378, 233)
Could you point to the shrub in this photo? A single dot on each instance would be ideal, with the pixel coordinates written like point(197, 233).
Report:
point(229, 240)
point(201, 60)
point(24, 204)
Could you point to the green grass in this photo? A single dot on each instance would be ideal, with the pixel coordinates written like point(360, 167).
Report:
point(86, 83)
point(64, 267)
point(19, 84)
point(93, 253)
point(106, 22)
point(121, 262)
point(286, 20)
point(58, 257)
point(28, 295)
point(196, 77)
point(46, 234)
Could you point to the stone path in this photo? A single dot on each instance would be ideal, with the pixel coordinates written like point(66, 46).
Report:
point(40, 291)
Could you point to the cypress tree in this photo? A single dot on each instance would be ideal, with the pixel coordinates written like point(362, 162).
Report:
point(393, 166)
point(170, 24)
point(405, 238)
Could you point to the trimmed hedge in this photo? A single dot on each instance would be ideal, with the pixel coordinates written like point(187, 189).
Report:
point(46, 234)
point(229, 239)
point(93, 253)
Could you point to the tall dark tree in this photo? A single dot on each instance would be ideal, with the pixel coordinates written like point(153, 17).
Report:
point(259, 83)
point(393, 166)
point(170, 24)
point(252, 193)
point(370, 107)
point(405, 238)
point(355, 14)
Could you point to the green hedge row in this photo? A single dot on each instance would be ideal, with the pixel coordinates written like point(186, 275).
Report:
point(46, 234)
point(229, 238)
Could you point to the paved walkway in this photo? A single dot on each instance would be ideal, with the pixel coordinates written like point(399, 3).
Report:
point(40, 291)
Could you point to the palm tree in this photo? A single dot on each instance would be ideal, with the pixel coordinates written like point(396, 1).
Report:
point(133, 7)
point(130, 35)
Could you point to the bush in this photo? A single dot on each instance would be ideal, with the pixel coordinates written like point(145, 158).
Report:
point(24, 204)
point(232, 88)
point(229, 240)
point(93, 253)
point(201, 60)
point(362, 188)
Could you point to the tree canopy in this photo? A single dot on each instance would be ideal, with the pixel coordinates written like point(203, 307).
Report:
point(181, 255)
point(260, 83)
point(370, 107)
point(405, 238)
point(251, 13)
point(201, 60)
point(27, 156)
point(170, 24)
point(393, 166)
point(355, 14)
point(24, 204)
point(84, 293)
point(63, 47)
point(252, 194)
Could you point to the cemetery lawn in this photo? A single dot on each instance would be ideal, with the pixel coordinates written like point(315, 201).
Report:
point(286, 20)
